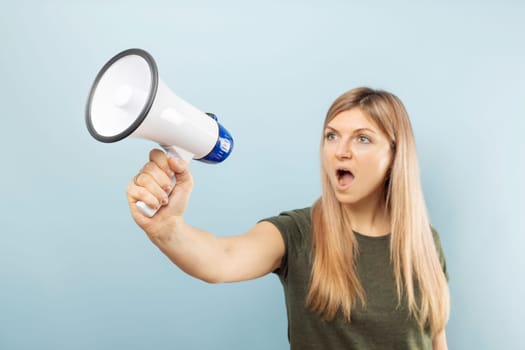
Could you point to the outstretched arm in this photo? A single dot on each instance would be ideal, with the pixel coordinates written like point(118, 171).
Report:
point(198, 252)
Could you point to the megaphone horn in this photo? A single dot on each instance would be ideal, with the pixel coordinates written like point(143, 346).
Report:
point(127, 98)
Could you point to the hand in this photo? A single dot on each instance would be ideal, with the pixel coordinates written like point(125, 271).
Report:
point(153, 186)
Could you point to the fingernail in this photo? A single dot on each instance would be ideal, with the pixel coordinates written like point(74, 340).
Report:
point(167, 189)
point(165, 201)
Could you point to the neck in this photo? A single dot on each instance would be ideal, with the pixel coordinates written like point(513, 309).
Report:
point(369, 216)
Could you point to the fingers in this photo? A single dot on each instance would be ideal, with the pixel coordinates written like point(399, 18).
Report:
point(153, 183)
point(136, 193)
point(151, 175)
point(161, 179)
point(161, 160)
point(157, 191)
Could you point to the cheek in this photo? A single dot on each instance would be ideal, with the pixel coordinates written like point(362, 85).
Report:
point(383, 163)
point(379, 163)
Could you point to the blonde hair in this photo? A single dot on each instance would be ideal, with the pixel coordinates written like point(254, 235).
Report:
point(334, 284)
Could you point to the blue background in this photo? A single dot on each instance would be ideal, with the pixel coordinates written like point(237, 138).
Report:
point(77, 273)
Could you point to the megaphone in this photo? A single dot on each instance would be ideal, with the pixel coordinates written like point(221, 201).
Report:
point(128, 98)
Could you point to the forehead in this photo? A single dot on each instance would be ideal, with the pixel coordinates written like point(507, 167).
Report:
point(351, 120)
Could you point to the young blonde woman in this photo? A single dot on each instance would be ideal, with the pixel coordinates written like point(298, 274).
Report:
point(361, 269)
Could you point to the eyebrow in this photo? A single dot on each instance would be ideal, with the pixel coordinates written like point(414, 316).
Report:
point(328, 127)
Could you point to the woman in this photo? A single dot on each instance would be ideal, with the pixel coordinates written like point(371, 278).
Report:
point(361, 269)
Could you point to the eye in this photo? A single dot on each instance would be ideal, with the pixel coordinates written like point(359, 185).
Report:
point(330, 136)
point(363, 139)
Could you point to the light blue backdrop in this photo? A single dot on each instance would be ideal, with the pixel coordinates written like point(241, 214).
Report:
point(75, 271)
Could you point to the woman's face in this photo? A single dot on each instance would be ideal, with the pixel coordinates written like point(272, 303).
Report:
point(356, 157)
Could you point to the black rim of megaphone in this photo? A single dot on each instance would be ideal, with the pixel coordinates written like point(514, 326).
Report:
point(151, 97)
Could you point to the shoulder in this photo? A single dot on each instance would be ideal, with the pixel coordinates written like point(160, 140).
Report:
point(439, 250)
point(295, 226)
point(437, 240)
point(435, 234)
point(298, 218)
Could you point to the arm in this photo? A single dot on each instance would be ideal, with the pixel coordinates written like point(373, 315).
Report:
point(439, 342)
point(197, 252)
point(224, 259)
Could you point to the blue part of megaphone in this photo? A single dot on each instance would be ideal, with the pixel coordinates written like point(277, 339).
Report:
point(223, 147)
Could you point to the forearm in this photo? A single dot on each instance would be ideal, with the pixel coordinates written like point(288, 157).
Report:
point(197, 252)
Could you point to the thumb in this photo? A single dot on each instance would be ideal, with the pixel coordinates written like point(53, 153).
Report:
point(180, 194)
point(182, 172)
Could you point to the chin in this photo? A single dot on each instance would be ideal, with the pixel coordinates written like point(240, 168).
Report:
point(346, 199)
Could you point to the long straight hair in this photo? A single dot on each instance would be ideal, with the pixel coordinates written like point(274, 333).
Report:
point(334, 283)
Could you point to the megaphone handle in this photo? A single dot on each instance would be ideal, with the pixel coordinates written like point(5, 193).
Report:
point(172, 152)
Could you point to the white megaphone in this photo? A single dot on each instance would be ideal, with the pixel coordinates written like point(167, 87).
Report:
point(128, 99)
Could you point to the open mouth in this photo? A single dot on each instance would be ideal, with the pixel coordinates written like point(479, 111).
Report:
point(344, 177)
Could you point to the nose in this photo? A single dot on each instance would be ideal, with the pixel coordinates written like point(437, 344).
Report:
point(343, 150)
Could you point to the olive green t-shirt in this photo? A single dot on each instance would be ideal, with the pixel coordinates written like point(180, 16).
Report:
point(383, 324)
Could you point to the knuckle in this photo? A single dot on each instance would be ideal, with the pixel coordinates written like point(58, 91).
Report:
point(149, 167)
point(139, 179)
point(134, 188)
point(145, 196)
point(167, 186)
point(141, 192)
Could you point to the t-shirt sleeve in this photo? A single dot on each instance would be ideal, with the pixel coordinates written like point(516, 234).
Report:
point(292, 226)
point(439, 249)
